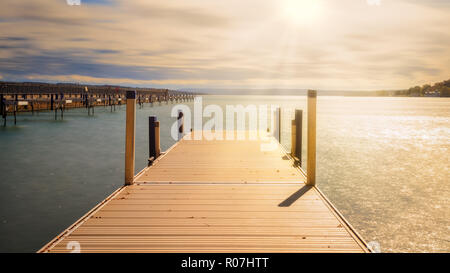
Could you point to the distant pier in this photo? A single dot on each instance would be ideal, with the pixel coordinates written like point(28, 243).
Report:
point(35, 97)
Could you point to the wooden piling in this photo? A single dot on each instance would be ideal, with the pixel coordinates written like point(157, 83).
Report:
point(311, 165)
point(51, 102)
point(277, 124)
point(298, 135)
point(15, 110)
point(151, 139)
point(130, 136)
point(180, 121)
point(157, 139)
point(293, 138)
point(2, 106)
point(4, 110)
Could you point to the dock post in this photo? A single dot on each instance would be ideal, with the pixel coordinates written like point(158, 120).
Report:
point(276, 122)
point(87, 105)
point(51, 102)
point(180, 120)
point(154, 145)
point(130, 137)
point(298, 135)
point(2, 107)
point(4, 110)
point(157, 139)
point(151, 139)
point(16, 108)
point(311, 167)
point(293, 138)
point(279, 124)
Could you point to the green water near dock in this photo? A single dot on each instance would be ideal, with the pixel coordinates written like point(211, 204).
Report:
point(53, 172)
point(383, 162)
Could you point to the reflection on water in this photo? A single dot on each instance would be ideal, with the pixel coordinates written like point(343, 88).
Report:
point(385, 166)
point(382, 161)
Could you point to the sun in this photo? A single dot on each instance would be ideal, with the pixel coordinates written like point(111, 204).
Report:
point(302, 12)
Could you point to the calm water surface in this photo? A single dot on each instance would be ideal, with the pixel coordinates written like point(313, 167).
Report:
point(382, 161)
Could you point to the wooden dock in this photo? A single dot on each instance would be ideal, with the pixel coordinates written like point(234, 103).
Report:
point(214, 196)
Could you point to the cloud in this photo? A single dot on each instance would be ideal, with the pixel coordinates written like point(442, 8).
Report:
point(431, 3)
point(66, 63)
point(232, 43)
point(183, 15)
point(14, 38)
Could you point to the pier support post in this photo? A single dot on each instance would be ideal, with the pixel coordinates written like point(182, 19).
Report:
point(298, 136)
point(293, 138)
point(311, 165)
point(1, 105)
point(154, 148)
point(130, 137)
point(180, 121)
point(157, 139)
point(277, 124)
point(3, 109)
point(16, 108)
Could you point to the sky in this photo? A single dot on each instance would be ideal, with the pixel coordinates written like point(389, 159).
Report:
point(254, 44)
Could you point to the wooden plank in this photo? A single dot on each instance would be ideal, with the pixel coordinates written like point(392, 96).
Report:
point(327, 222)
point(215, 208)
point(211, 231)
point(223, 202)
point(208, 242)
point(215, 214)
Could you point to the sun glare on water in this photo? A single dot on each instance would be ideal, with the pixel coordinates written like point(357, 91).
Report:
point(302, 12)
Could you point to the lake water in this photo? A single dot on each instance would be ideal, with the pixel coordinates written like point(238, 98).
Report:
point(383, 162)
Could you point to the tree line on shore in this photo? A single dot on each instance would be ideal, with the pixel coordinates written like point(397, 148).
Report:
point(440, 89)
